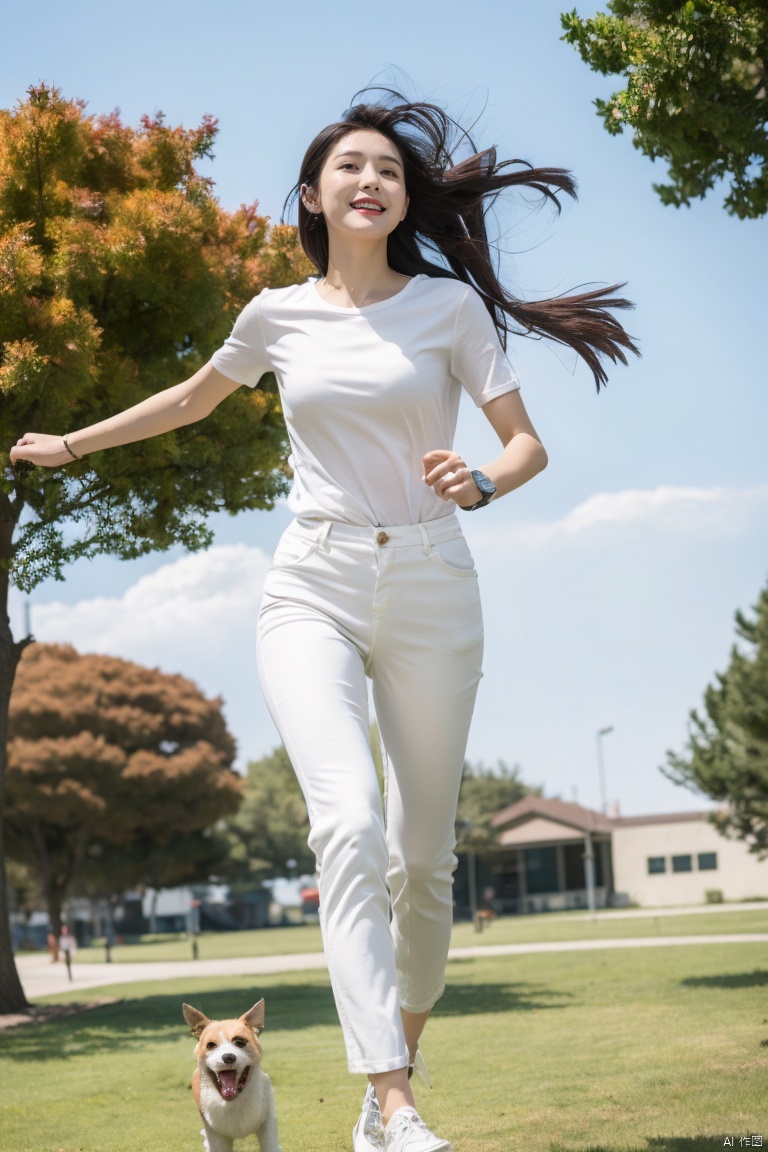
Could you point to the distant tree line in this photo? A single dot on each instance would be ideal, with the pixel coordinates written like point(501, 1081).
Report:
point(120, 777)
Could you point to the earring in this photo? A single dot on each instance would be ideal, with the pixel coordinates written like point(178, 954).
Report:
point(308, 204)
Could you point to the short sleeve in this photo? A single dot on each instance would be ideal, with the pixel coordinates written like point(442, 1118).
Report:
point(243, 355)
point(478, 361)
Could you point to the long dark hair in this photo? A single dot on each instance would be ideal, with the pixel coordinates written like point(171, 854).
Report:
point(446, 217)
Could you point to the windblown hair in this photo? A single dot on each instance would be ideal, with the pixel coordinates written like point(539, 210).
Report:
point(446, 218)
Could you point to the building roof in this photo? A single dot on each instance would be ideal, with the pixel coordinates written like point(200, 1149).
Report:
point(570, 818)
point(535, 820)
point(537, 830)
point(664, 818)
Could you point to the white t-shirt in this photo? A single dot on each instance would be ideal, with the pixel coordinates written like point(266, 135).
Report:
point(367, 391)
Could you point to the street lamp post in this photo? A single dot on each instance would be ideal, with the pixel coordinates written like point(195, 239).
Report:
point(601, 765)
point(589, 871)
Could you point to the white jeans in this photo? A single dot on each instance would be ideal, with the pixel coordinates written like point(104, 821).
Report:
point(400, 605)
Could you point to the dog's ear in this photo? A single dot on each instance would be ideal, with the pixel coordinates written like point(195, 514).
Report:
point(196, 1020)
point(254, 1017)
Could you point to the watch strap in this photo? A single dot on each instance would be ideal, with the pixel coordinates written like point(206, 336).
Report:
point(485, 486)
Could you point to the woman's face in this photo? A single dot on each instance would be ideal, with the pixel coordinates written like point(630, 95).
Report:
point(361, 189)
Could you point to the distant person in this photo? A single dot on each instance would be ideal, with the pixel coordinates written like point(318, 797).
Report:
point(373, 578)
point(67, 947)
point(52, 943)
point(109, 943)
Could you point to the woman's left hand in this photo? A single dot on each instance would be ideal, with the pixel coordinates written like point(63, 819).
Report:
point(449, 476)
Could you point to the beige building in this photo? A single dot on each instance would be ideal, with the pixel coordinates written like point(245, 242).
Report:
point(547, 849)
point(680, 858)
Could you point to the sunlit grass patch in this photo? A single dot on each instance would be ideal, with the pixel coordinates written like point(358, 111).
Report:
point(634, 1051)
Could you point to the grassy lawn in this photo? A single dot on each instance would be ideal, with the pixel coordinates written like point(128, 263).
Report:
point(507, 930)
point(635, 1051)
point(215, 945)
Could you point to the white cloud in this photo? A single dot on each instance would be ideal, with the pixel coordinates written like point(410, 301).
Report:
point(177, 617)
point(208, 597)
point(700, 512)
point(619, 613)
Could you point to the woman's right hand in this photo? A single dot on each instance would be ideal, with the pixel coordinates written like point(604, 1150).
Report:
point(37, 448)
point(174, 407)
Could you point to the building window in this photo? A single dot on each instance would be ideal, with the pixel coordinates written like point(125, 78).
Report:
point(707, 861)
point(656, 864)
point(541, 871)
point(573, 854)
point(682, 864)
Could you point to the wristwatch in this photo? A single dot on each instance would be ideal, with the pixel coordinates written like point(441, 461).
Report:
point(487, 490)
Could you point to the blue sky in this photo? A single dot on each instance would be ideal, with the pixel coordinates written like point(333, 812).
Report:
point(610, 582)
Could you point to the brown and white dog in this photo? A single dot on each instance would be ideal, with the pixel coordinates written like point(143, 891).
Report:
point(234, 1096)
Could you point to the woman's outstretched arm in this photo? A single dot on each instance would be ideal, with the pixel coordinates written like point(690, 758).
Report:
point(523, 456)
point(174, 407)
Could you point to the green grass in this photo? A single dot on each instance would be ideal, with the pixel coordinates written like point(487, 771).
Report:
point(533, 929)
point(214, 946)
point(507, 930)
point(632, 1051)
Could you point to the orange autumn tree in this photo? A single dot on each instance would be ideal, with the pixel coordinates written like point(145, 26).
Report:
point(115, 773)
point(120, 273)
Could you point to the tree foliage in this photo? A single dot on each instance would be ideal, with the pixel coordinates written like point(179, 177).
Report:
point(115, 774)
point(696, 92)
point(270, 827)
point(120, 273)
point(727, 751)
point(194, 856)
point(483, 792)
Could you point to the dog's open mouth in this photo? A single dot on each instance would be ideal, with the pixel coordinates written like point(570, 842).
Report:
point(228, 1084)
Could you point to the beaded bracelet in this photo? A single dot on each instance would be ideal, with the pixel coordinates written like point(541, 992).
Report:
point(72, 454)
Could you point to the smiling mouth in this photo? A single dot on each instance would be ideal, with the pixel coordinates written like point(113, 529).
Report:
point(367, 206)
point(227, 1082)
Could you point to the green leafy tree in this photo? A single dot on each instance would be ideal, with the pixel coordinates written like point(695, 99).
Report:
point(270, 827)
point(727, 753)
point(483, 792)
point(25, 895)
point(115, 774)
point(696, 90)
point(192, 856)
point(120, 273)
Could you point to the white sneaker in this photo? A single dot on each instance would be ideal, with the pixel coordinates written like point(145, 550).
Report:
point(368, 1133)
point(407, 1132)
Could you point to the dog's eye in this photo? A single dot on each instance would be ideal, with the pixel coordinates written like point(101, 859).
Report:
point(240, 1042)
point(211, 1044)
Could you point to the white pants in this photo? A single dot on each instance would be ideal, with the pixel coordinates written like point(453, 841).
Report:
point(400, 605)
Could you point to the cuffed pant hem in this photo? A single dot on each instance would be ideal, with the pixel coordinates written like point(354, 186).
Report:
point(380, 1065)
point(417, 1009)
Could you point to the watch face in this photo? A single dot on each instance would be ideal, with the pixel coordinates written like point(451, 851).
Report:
point(486, 486)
